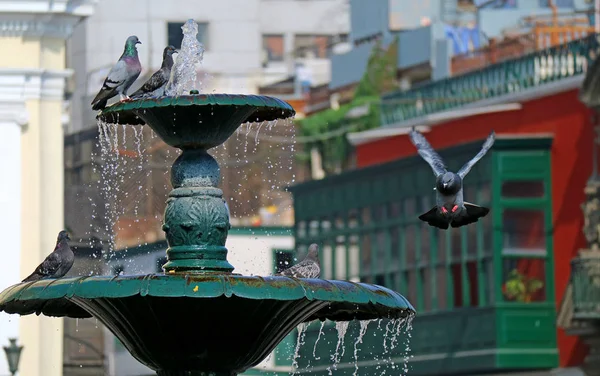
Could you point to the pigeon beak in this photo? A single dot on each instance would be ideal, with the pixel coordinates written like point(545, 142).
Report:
point(445, 185)
point(138, 42)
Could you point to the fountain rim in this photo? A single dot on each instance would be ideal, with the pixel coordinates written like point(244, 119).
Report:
point(209, 285)
point(259, 102)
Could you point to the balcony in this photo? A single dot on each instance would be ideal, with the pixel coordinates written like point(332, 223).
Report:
point(493, 82)
point(585, 273)
point(484, 294)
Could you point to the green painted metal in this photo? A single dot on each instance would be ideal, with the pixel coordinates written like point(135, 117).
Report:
point(585, 273)
point(197, 121)
point(218, 310)
point(527, 72)
point(235, 320)
point(464, 325)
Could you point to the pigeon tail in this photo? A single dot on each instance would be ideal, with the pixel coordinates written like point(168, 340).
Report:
point(33, 277)
point(435, 219)
point(99, 103)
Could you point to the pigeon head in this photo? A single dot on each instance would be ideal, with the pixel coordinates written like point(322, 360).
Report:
point(448, 183)
point(313, 252)
point(132, 41)
point(63, 235)
point(130, 46)
point(169, 51)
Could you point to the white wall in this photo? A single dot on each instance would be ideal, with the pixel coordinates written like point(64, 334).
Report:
point(10, 224)
point(233, 58)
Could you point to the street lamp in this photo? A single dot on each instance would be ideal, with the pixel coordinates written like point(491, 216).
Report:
point(13, 354)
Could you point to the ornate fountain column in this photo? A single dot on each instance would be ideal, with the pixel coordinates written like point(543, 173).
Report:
point(196, 217)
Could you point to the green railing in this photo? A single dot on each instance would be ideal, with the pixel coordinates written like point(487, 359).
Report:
point(585, 273)
point(529, 71)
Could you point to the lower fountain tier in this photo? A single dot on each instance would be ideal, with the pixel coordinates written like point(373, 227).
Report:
point(221, 323)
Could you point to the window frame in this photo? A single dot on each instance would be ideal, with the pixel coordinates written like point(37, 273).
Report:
point(205, 35)
point(529, 162)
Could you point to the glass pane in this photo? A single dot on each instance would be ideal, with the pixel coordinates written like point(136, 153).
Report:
point(523, 232)
point(524, 280)
point(523, 189)
point(427, 278)
point(283, 261)
point(410, 237)
point(442, 287)
point(472, 275)
point(273, 47)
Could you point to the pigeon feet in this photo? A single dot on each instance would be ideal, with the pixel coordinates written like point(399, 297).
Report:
point(444, 210)
point(454, 208)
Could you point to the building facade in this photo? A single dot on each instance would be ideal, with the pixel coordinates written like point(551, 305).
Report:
point(488, 293)
point(33, 76)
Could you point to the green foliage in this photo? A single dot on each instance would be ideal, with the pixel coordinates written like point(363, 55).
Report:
point(521, 288)
point(327, 129)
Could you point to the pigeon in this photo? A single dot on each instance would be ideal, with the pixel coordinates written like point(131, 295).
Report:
point(450, 209)
point(58, 263)
point(121, 76)
point(307, 268)
point(155, 86)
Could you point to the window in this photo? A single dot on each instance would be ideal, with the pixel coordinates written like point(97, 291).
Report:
point(175, 34)
point(159, 263)
point(498, 4)
point(523, 189)
point(558, 3)
point(523, 233)
point(273, 48)
point(523, 279)
point(312, 46)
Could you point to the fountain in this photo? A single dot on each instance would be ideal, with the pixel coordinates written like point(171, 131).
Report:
point(198, 317)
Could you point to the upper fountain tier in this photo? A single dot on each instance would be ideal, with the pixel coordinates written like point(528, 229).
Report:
point(200, 121)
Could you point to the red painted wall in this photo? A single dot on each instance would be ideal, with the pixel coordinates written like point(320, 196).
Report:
point(569, 121)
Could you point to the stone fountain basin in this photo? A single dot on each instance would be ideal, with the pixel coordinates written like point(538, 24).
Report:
point(200, 121)
point(216, 322)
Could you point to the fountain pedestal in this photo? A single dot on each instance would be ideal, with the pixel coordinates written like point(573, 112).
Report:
point(196, 218)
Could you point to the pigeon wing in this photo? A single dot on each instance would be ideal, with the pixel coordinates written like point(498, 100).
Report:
point(116, 77)
point(157, 80)
point(427, 153)
point(50, 265)
point(484, 149)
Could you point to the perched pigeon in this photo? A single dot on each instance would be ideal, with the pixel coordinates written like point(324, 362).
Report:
point(450, 208)
point(307, 268)
point(122, 75)
point(155, 86)
point(58, 263)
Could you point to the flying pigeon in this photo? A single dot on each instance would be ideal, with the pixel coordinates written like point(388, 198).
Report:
point(155, 86)
point(58, 263)
point(307, 268)
point(450, 208)
point(121, 76)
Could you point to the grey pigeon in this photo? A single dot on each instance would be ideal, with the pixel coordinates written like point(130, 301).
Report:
point(58, 263)
point(121, 76)
point(450, 208)
point(155, 86)
point(307, 268)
